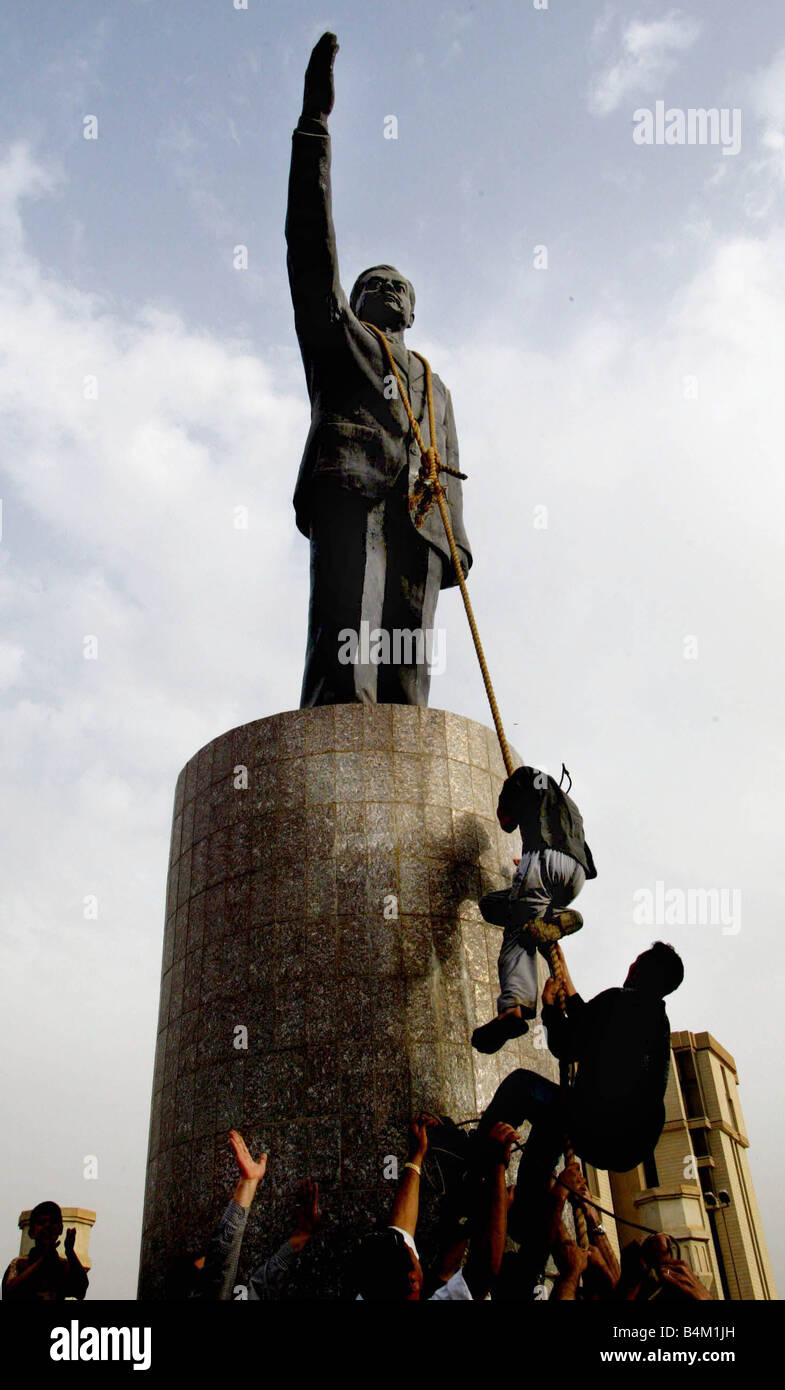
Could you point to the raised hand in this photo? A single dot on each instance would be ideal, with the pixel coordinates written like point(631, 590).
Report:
point(570, 1259)
point(656, 1248)
point(572, 1178)
point(418, 1134)
point(248, 1169)
point(502, 1137)
point(319, 90)
point(70, 1240)
point(550, 991)
point(309, 1217)
point(679, 1276)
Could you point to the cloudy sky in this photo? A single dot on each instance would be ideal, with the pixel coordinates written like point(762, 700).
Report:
point(631, 387)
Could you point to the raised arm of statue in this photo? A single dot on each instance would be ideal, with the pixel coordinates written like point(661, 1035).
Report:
point(312, 257)
point(319, 90)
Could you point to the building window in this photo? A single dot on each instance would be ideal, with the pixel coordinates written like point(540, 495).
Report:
point(706, 1176)
point(700, 1143)
point(651, 1176)
point(690, 1088)
point(729, 1098)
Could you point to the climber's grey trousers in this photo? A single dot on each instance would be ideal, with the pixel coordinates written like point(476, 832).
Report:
point(543, 878)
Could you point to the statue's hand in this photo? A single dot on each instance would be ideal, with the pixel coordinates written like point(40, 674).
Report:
point(319, 93)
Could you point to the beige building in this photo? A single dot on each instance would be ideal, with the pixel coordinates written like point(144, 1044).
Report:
point(697, 1185)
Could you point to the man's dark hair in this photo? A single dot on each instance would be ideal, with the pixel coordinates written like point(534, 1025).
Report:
point(382, 1267)
point(357, 286)
point(660, 968)
point(45, 1209)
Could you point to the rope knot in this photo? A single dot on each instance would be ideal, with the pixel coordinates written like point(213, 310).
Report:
point(430, 464)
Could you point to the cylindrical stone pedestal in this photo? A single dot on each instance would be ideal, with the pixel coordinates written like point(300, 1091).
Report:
point(324, 965)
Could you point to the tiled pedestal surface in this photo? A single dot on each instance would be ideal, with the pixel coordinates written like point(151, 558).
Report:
point(296, 841)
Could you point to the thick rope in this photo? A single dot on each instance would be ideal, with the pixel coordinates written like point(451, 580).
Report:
point(430, 468)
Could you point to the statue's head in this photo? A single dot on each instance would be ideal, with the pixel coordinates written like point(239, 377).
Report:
point(384, 297)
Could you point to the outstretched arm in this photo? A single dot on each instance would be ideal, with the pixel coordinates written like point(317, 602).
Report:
point(406, 1206)
point(312, 257)
point(601, 1253)
point(271, 1277)
point(571, 1262)
point(223, 1252)
point(487, 1242)
point(251, 1173)
point(319, 89)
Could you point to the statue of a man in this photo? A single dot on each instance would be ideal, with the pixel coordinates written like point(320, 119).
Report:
point(377, 564)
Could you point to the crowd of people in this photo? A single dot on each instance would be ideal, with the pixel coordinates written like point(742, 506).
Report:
point(512, 1242)
point(493, 1238)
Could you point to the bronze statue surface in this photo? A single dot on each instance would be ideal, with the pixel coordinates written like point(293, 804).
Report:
point(376, 565)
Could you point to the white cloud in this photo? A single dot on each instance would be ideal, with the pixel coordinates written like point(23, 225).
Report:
point(767, 93)
point(765, 173)
point(649, 51)
point(11, 662)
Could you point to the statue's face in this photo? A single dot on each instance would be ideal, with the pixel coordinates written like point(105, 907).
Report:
point(385, 300)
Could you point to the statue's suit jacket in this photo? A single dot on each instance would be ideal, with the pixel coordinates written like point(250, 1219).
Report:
point(358, 439)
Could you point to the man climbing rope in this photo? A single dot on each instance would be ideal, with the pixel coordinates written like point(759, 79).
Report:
point(554, 865)
point(615, 1109)
point(379, 552)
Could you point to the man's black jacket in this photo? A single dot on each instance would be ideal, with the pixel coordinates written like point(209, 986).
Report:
point(621, 1042)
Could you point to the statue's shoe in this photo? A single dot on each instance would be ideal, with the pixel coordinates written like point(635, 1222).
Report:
point(491, 1036)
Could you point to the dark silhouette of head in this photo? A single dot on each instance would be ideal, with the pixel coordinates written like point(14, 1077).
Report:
point(46, 1224)
point(386, 1269)
point(659, 970)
